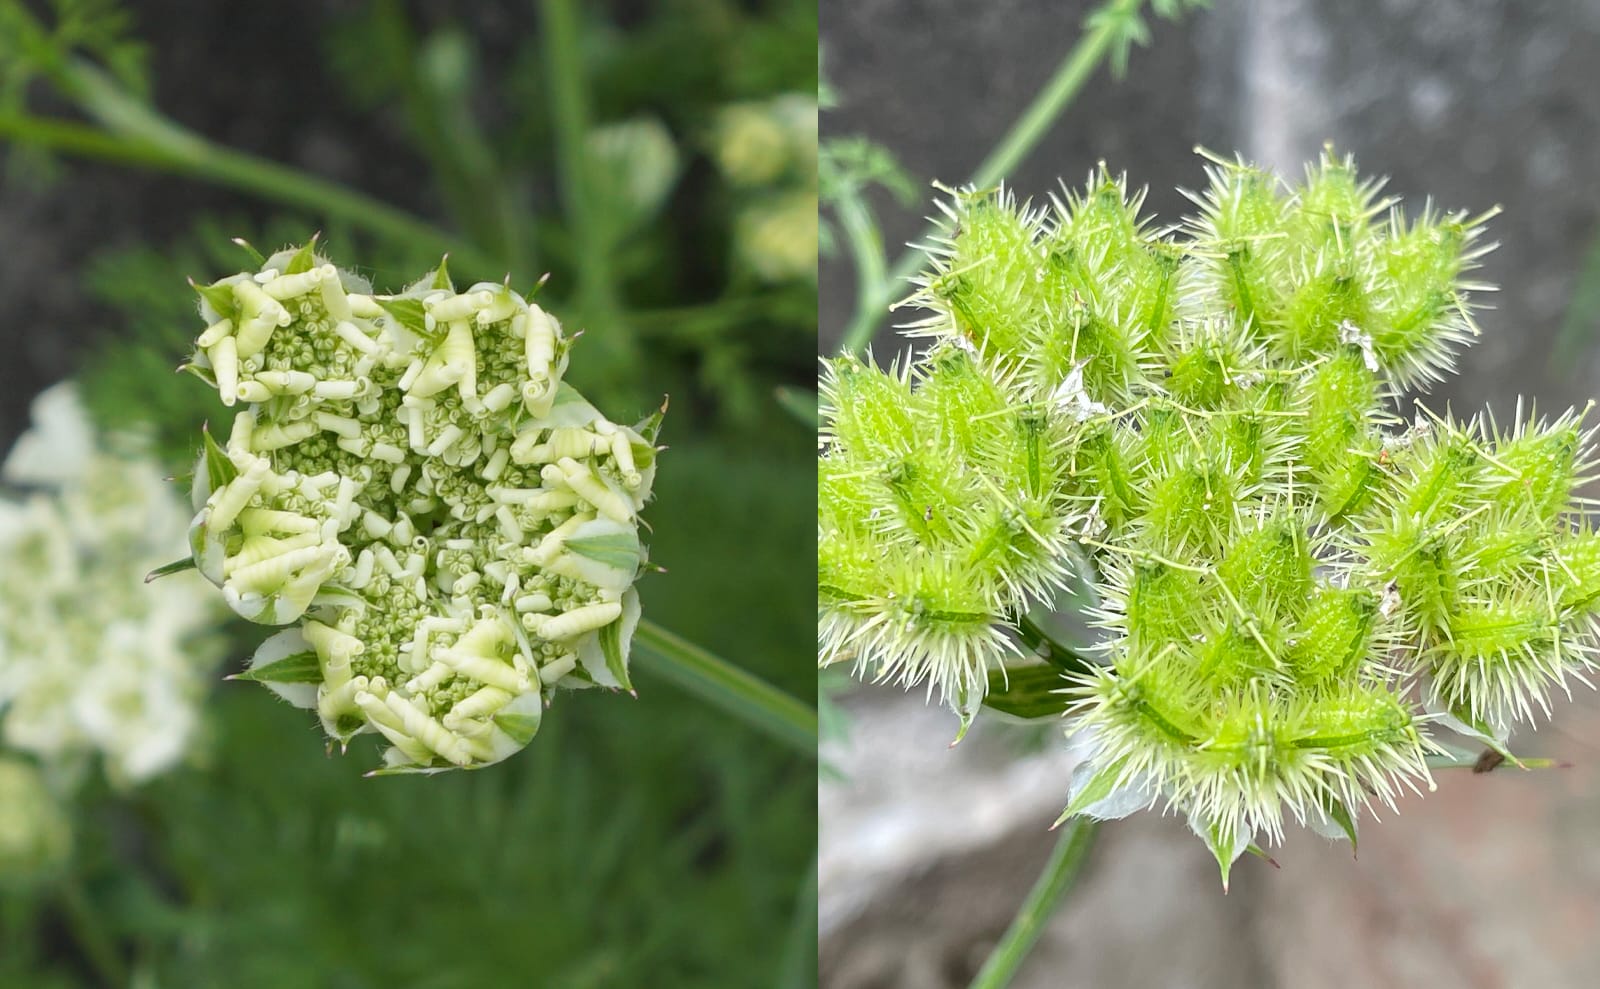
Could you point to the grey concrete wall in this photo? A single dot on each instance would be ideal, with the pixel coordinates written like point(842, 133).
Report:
point(1492, 881)
point(1472, 102)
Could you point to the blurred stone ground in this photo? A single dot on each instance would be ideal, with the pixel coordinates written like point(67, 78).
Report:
point(1493, 881)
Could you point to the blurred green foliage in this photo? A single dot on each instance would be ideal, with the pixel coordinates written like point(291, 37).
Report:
point(635, 843)
point(649, 842)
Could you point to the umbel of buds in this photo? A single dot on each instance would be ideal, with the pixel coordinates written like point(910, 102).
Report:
point(450, 530)
point(1298, 588)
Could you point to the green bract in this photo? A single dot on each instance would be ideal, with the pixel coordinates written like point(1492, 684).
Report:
point(1297, 588)
point(451, 530)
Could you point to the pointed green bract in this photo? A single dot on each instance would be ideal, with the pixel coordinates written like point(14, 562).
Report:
point(302, 260)
point(168, 569)
point(1027, 691)
point(408, 313)
point(219, 469)
point(220, 298)
point(618, 550)
point(301, 667)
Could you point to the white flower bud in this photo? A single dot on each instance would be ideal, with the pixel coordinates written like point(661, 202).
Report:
point(368, 415)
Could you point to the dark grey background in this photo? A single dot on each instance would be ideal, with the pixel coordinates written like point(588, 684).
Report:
point(1492, 881)
point(1472, 102)
point(52, 228)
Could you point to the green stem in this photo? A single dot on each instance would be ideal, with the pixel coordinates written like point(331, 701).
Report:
point(1057, 94)
point(569, 109)
point(1018, 142)
point(1583, 307)
point(798, 964)
point(83, 141)
point(702, 319)
point(132, 133)
point(90, 932)
point(873, 285)
point(720, 683)
point(614, 355)
point(1028, 924)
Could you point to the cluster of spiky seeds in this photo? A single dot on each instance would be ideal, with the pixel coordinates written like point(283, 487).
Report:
point(1296, 585)
point(452, 528)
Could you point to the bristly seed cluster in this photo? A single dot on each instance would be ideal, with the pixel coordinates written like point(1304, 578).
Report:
point(451, 529)
point(1297, 586)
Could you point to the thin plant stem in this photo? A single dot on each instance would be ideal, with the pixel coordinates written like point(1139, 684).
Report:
point(1018, 142)
point(1065, 860)
point(700, 320)
point(798, 963)
point(569, 110)
point(614, 354)
point(718, 682)
point(130, 132)
point(152, 140)
point(89, 930)
point(866, 252)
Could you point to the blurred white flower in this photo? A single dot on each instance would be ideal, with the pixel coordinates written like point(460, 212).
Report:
point(751, 144)
point(777, 236)
point(798, 114)
point(639, 164)
point(92, 659)
point(58, 447)
point(757, 143)
point(768, 151)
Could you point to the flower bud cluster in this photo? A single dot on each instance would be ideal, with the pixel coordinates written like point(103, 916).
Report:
point(1297, 588)
point(92, 662)
point(451, 530)
point(768, 152)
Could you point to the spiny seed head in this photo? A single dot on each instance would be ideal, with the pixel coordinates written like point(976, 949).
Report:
point(1295, 587)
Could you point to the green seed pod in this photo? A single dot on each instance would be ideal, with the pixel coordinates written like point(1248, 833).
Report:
point(1334, 636)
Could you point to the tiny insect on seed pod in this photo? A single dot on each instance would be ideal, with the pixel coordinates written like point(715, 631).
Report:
point(361, 500)
point(1297, 584)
